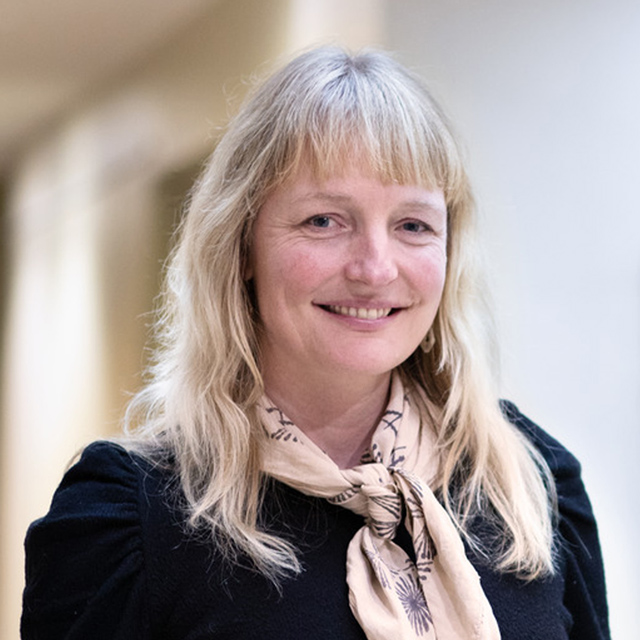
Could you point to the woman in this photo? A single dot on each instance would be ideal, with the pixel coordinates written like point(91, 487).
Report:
point(321, 452)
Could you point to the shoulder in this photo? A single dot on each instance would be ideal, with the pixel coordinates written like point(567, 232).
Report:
point(579, 546)
point(104, 469)
point(562, 463)
point(573, 501)
point(101, 484)
point(85, 559)
point(104, 484)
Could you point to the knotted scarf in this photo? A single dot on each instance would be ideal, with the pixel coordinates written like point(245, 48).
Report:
point(437, 596)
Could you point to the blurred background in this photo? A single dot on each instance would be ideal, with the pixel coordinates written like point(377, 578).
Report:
point(108, 108)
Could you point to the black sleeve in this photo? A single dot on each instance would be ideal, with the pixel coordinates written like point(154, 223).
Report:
point(585, 593)
point(84, 559)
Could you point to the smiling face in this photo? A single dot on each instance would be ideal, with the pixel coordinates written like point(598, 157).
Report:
point(348, 274)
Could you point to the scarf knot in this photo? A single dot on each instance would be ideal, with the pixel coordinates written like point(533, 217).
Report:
point(383, 507)
point(375, 495)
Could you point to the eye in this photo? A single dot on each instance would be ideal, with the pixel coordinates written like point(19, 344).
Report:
point(323, 221)
point(415, 226)
point(320, 222)
point(416, 231)
point(323, 225)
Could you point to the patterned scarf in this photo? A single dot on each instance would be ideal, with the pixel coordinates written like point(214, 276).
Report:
point(438, 596)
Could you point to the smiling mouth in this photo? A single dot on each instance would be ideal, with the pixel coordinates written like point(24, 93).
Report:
point(359, 312)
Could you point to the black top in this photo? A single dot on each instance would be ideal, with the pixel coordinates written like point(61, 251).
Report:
point(111, 560)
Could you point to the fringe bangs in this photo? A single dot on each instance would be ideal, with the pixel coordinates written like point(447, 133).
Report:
point(366, 111)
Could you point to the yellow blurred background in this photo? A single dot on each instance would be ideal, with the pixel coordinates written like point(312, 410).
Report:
point(108, 108)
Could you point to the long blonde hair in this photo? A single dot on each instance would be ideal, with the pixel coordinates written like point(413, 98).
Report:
point(329, 108)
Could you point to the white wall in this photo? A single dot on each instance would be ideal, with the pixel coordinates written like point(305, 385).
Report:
point(546, 96)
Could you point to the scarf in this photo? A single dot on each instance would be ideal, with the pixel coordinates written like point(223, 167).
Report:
point(438, 596)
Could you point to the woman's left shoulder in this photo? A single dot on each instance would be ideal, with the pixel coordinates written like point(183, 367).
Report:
point(562, 463)
point(581, 557)
point(573, 502)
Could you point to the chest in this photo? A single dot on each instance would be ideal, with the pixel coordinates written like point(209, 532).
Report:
point(196, 595)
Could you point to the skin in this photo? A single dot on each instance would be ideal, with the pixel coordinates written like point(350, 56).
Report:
point(348, 275)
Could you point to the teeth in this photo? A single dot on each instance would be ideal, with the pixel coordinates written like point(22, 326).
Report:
point(363, 314)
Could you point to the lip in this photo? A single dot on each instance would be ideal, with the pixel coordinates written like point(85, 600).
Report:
point(362, 313)
point(367, 303)
point(370, 312)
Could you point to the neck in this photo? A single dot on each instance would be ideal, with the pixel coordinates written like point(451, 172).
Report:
point(337, 415)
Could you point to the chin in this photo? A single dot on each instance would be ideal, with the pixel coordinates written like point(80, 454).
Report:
point(370, 366)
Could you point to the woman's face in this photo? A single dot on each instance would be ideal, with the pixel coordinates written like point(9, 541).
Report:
point(348, 273)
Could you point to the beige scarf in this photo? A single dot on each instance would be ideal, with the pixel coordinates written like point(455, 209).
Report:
point(438, 596)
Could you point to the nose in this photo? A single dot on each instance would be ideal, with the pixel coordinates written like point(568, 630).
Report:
point(371, 260)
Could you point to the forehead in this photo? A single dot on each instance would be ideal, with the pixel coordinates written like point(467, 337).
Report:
point(353, 185)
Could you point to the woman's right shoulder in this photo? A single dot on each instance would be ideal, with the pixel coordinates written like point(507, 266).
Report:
point(85, 559)
point(105, 482)
point(103, 463)
point(102, 482)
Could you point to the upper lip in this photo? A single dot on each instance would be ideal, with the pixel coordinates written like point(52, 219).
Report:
point(362, 304)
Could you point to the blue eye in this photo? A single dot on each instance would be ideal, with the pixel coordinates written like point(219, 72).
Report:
point(414, 226)
point(321, 222)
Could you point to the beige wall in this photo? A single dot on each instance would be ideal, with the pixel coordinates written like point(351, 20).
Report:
point(88, 229)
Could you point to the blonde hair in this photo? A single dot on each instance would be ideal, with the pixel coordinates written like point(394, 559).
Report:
point(329, 108)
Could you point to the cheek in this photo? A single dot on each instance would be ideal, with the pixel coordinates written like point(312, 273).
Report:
point(281, 271)
point(301, 266)
point(430, 277)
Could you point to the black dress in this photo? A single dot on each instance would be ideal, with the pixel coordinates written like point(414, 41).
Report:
point(111, 561)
